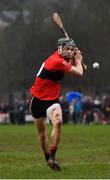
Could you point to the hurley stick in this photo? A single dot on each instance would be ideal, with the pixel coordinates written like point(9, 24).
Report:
point(58, 21)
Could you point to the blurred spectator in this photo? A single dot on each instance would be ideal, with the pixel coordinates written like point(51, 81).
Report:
point(98, 114)
point(108, 109)
point(105, 105)
point(65, 109)
point(17, 112)
point(77, 111)
point(87, 109)
point(1, 108)
point(21, 112)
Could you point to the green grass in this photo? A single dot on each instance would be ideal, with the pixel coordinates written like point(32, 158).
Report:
point(84, 152)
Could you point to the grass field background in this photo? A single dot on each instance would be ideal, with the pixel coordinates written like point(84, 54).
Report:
point(84, 152)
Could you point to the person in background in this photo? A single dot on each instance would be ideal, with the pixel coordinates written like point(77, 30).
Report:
point(65, 109)
point(87, 110)
point(105, 107)
point(77, 113)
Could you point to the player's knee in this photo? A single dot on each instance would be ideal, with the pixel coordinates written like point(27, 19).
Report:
point(57, 116)
point(58, 123)
point(42, 137)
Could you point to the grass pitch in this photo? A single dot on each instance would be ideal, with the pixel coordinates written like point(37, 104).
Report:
point(84, 152)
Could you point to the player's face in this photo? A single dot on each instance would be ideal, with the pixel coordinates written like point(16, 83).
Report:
point(68, 52)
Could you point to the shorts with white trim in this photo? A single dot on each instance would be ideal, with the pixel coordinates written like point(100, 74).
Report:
point(39, 107)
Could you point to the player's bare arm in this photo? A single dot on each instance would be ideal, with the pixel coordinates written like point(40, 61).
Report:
point(77, 67)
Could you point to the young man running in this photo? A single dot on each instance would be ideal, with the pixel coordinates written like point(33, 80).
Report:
point(46, 91)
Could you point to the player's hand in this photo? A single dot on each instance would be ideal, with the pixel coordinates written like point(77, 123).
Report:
point(78, 55)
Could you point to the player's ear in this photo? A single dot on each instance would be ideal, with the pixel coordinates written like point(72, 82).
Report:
point(59, 49)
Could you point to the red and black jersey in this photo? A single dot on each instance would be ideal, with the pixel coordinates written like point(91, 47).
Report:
point(47, 85)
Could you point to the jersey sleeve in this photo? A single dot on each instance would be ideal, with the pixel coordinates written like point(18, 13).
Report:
point(62, 65)
point(57, 63)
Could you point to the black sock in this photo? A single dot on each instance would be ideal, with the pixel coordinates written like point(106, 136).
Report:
point(47, 156)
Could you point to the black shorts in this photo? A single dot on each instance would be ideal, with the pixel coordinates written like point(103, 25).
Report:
point(38, 107)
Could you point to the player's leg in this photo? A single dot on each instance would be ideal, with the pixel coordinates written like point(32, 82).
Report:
point(42, 133)
point(57, 122)
point(55, 115)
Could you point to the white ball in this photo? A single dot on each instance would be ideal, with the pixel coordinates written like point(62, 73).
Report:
point(95, 65)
